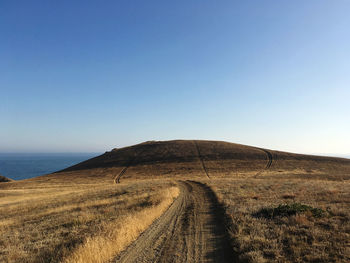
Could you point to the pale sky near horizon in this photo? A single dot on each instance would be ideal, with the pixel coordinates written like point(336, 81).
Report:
point(88, 76)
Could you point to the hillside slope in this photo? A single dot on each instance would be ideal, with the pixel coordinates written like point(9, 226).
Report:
point(178, 158)
point(4, 179)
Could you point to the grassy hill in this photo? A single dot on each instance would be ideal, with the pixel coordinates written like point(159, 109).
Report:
point(4, 179)
point(279, 206)
point(158, 159)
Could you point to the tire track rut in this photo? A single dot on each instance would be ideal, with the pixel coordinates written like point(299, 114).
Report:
point(117, 178)
point(191, 230)
point(269, 161)
point(270, 157)
point(130, 163)
point(201, 159)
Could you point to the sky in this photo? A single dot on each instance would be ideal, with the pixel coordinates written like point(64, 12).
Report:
point(89, 76)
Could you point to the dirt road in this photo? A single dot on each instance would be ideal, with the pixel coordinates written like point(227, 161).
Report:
point(201, 159)
point(191, 230)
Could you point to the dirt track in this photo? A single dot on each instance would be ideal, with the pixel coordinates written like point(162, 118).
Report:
point(269, 161)
point(201, 159)
point(191, 230)
point(270, 157)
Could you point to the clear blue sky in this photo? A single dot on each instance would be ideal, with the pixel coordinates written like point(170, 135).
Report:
point(92, 75)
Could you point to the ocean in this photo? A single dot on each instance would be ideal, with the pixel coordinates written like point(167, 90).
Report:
point(19, 166)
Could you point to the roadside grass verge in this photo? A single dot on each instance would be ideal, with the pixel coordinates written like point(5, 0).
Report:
point(292, 220)
point(117, 235)
point(51, 222)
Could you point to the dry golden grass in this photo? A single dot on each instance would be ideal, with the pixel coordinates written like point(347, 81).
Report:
point(298, 238)
point(68, 216)
point(116, 236)
point(57, 222)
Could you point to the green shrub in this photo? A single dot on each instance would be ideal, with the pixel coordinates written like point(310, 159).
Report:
point(288, 210)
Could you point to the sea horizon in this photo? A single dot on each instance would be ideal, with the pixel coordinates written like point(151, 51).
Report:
point(25, 165)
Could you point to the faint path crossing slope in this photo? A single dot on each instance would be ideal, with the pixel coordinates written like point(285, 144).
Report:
point(191, 230)
point(117, 178)
point(123, 171)
point(201, 159)
point(270, 157)
point(269, 161)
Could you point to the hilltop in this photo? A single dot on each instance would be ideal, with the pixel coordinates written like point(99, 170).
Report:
point(213, 159)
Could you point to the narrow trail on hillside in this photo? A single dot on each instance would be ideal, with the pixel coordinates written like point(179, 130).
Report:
point(191, 230)
point(270, 158)
point(269, 161)
point(123, 171)
point(201, 159)
point(117, 178)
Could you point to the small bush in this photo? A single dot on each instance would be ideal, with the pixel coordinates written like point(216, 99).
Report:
point(288, 210)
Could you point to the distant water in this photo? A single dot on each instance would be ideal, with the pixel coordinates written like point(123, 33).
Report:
point(20, 166)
